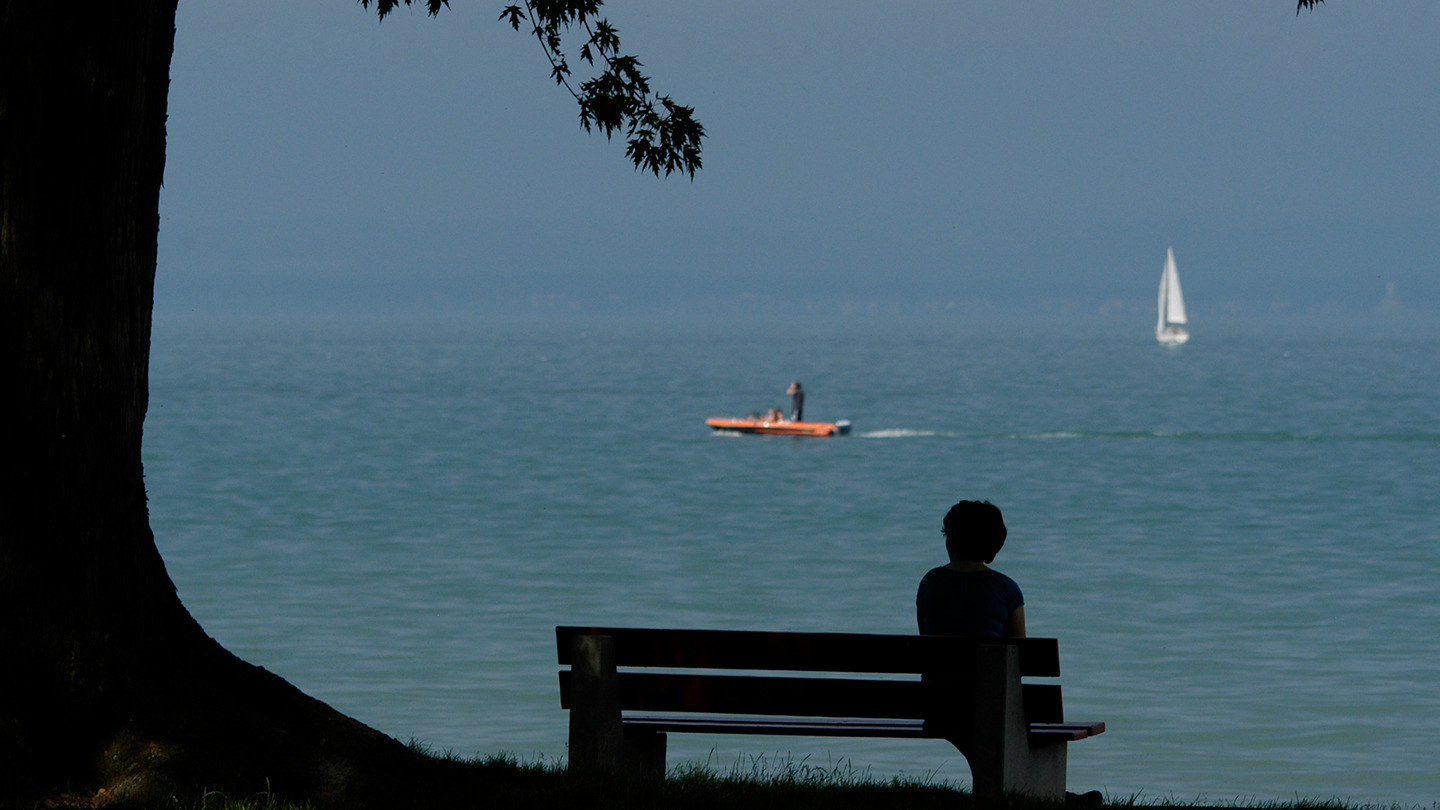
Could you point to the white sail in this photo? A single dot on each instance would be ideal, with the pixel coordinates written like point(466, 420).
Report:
point(1160, 305)
point(1170, 309)
point(1174, 301)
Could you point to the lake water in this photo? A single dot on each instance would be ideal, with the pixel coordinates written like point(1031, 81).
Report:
point(1235, 540)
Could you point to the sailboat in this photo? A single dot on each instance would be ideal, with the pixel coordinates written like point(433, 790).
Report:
point(1170, 328)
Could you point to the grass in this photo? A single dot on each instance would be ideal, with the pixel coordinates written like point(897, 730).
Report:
point(756, 784)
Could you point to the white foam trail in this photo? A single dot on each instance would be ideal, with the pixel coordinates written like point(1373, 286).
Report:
point(895, 433)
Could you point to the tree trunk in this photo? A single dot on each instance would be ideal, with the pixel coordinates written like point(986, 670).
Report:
point(108, 688)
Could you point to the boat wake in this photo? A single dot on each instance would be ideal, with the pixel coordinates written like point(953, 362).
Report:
point(896, 433)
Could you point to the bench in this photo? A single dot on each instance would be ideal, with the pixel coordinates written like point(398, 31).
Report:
point(627, 688)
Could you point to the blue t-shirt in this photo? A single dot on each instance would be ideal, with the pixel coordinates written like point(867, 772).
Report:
point(966, 603)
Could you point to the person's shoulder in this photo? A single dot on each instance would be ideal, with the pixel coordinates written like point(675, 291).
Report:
point(1005, 582)
point(928, 581)
point(933, 573)
point(1000, 577)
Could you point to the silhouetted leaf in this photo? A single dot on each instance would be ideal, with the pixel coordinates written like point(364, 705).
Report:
point(619, 97)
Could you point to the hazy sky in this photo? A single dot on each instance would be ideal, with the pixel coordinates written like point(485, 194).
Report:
point(1016, 156)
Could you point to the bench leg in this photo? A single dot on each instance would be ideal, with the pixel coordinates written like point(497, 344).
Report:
point(645, 751)
point(1045, 775)
point(596, 737)
point(1002, 760)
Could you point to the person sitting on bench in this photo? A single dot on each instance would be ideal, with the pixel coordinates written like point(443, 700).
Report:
point(968, 598)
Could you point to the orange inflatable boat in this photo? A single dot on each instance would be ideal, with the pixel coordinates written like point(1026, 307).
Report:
point(782, 427)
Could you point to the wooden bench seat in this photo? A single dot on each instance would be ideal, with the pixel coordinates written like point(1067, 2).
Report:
point(626, 688)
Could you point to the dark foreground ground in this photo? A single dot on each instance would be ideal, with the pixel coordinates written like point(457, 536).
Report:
point(787, 786)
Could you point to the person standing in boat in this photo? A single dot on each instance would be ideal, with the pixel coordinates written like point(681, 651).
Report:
point(797, 402)
point(967, 597)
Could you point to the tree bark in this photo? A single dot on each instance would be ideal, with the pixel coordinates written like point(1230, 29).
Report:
point(109, 690)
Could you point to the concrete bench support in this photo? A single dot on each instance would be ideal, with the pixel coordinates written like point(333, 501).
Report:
point(598, 738)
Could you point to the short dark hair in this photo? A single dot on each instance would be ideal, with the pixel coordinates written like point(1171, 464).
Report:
point(974, 530)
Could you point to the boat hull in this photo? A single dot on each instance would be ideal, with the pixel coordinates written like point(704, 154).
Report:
point(1171, 336)
point(781, 427)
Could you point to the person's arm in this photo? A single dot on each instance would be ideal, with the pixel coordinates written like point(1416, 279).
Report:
point(1015, 626)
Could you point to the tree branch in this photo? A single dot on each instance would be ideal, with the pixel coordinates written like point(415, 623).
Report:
point(661, 135)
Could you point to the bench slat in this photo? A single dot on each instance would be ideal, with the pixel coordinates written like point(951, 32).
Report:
point(790, 727)
point(813, 652)
point(1040, 733)
point(1043, 733)
point(790, 695)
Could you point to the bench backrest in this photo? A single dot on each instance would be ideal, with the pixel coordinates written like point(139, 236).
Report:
point(943, 659)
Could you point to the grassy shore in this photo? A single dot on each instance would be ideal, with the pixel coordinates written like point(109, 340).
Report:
point(757, 786)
